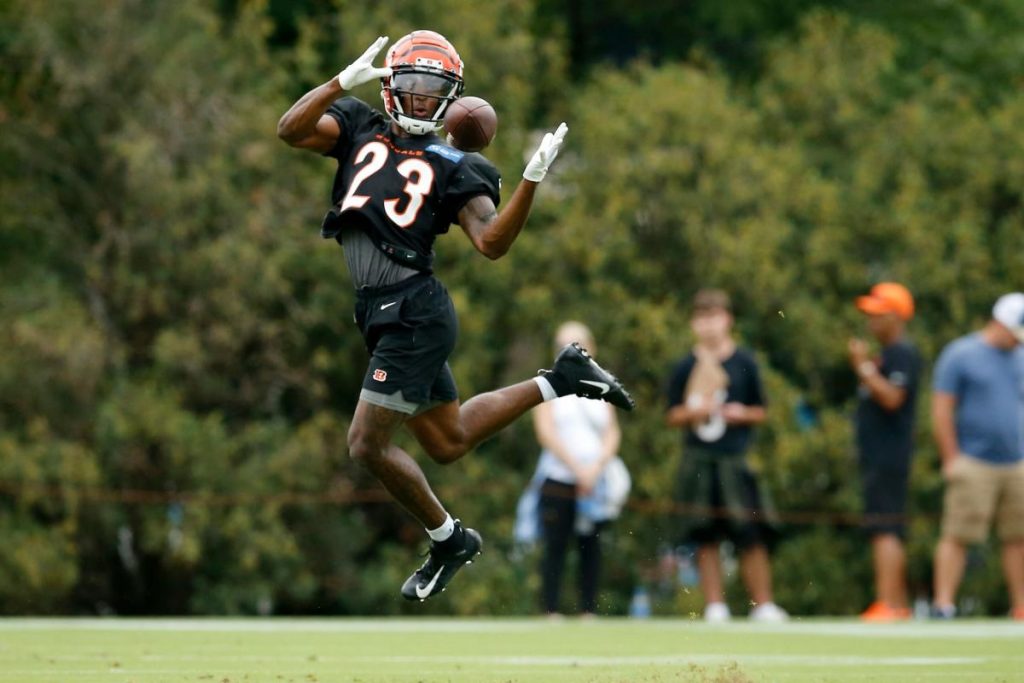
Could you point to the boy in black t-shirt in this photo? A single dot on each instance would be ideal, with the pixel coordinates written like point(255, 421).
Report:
point(885, 440)
point(715, 395)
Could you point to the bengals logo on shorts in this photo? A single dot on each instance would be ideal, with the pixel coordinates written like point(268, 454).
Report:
point(380, 375)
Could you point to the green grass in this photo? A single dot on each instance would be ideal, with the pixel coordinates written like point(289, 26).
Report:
point(503, 650)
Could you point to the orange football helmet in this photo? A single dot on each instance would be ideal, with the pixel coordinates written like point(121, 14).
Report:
point(423, 64)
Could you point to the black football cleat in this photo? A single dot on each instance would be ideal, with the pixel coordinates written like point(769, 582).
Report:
point(586, 378)
point(441, 565)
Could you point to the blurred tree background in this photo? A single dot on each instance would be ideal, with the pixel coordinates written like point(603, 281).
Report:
point(179, 365)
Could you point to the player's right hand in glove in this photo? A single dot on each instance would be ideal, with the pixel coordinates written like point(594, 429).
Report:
point(538, 166)
point(362, 70)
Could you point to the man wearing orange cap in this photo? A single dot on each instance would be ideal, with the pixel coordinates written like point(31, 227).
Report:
point(885, 439)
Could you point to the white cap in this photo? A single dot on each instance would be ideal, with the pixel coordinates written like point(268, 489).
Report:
point(1009, 312)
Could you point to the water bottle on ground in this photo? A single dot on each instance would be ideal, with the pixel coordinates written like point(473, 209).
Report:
point(640, 605)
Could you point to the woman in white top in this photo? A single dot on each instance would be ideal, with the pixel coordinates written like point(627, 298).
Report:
point(579, 437)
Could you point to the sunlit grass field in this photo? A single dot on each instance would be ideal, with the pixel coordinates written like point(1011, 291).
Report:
point(503, 650)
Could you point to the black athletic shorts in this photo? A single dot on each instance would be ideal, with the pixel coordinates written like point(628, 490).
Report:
point(720, 498)
point(410, 330)
point(884, 490)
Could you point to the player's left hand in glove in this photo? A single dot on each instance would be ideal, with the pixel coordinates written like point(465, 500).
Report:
point(538, 166)
point(362, 70)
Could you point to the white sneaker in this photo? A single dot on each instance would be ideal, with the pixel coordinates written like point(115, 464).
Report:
point(717, 612)
point(769, 612)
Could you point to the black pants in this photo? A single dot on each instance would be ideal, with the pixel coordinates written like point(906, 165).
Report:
point(884, 489)
point(558, 519)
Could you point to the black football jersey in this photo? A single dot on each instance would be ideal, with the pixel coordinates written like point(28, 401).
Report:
point(404, 190)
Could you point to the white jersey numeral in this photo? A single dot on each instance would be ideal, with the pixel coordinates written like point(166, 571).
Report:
point(419, 173)
point(378, 153)
point(421, 181)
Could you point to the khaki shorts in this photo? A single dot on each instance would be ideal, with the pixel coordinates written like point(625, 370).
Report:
point(976, 492)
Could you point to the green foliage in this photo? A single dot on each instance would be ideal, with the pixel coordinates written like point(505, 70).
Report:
point(39, 571)
point(179, 362)
point(826, 573)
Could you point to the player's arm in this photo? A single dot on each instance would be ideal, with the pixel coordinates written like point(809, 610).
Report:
point(590, 474)
point(944, 428)
point(682, 414)
point(751, 409)
point(306, 124)
point(883, 392)
point(737, 413)
point(887, 395)
point(492, 233)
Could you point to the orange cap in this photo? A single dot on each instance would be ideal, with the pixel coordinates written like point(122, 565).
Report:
point(888, 297)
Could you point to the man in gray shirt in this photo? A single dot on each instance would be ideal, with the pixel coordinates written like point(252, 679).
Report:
point(978, 423)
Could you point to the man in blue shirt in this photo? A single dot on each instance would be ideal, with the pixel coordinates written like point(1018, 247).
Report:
point(978, 423)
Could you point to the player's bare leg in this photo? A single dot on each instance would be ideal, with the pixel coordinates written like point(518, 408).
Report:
point(890, 569)
point(756, 571)
point(950, 560)
point(451, 430)
point(1013, 570)
point(369, 444)
point(709, 568)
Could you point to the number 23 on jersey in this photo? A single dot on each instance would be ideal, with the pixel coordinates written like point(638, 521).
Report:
point(417, 172)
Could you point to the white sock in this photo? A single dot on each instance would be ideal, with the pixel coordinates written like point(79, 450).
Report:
point(546, 390)
point(443, 532)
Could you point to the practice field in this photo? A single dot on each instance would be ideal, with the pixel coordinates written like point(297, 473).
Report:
point(503, 650)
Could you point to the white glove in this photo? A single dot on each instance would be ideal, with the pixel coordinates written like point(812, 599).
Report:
point(362, 70)
point(538, 166)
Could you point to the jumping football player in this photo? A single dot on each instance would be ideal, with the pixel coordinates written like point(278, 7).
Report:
point(397, 187)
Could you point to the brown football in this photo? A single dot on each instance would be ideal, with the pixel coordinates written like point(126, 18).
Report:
point(472, 123)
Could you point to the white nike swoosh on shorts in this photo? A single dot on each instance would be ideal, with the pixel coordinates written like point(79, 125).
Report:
point(424, 593)
point(383, 306)
point(605, 388)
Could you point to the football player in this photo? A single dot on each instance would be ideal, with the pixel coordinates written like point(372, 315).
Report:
point(397, 187)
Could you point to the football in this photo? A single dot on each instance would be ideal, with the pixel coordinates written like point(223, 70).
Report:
point(471, 122)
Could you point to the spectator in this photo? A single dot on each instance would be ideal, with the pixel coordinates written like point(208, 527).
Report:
point(715, 396)
point(579, 440)
point(885, 440)
point(978, 422)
